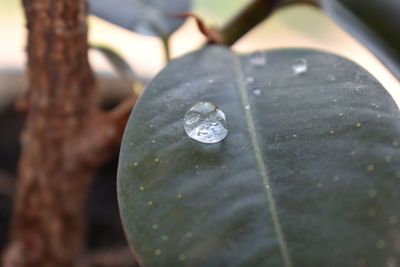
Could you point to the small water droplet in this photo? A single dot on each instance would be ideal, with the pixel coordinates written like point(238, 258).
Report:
point(247, 107)
point(189, 235)
point(165, 238)
point(210, 81)
point(371, 212)
point(391, 262)
point(182, 257)
point(209, 125)
point(257, 91)
point(380, 244)
point(299, 66)
point(258, 59)
point(393, 219)
point(154, 226)
point(158, 252)
point(250, 80)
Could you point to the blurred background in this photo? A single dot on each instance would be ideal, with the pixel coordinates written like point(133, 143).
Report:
point(295, 26)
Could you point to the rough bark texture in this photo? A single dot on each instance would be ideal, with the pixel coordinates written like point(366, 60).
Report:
point(65, 139)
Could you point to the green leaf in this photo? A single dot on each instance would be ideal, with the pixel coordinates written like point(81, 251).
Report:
point(149, 17)
point(309, 174)
point(117, 62)
point(374, 23)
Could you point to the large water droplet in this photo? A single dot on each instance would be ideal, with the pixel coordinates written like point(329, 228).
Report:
point(206, 123)
point(299, 66)
point(258, 59)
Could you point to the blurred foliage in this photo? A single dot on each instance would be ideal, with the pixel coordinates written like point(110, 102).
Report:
point(218, 12)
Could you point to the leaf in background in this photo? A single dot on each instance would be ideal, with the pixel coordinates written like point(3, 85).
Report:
point(309, 174)
point(116, 61)
point(375, 23)
point(149, 17)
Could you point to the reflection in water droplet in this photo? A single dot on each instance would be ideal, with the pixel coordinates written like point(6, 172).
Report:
point(299, 66)
point(247, 107)
point(190, 120)
point(257, 91)
point(258, 59)
point(206, 123)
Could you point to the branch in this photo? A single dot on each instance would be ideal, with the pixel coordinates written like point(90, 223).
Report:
point(252, 15)
point(314, 3)
point(212, 35)
point(105, 131)
point(120, 115)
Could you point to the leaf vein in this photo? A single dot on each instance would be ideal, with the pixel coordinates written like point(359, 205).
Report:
point(262, 165)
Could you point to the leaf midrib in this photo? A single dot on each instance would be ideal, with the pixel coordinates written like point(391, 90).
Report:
point(261, 165)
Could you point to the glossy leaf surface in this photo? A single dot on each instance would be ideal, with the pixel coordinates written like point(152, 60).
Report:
point(149, 17)
point(309, 174)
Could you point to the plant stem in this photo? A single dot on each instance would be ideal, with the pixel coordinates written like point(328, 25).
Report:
point(251, 15)
point(167, 48)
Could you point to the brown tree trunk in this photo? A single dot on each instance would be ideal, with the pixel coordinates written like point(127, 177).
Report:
point(65, 140)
